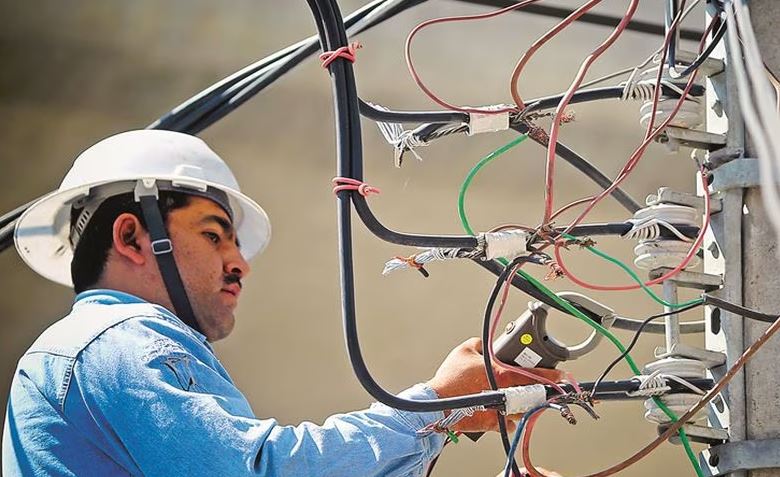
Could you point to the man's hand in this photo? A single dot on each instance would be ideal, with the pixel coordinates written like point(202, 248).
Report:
point(463, 372)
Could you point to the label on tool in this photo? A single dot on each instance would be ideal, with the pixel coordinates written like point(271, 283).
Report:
point(528, 358)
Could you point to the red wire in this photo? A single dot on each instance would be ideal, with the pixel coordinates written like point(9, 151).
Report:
point(526, 445)
point(416, 77)
point(694, 248)
point(559, 111)
point(637, 155)
point(539, 43)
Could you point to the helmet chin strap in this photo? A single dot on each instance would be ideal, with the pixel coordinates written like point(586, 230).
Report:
point(146, 194)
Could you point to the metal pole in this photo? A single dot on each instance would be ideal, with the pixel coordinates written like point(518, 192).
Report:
point(746, 252)
point(761, 282)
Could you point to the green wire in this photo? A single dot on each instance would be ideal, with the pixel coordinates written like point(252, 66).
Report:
point(636, 278)
point(565, 304)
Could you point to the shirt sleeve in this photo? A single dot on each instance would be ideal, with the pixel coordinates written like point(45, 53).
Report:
point(164, 406)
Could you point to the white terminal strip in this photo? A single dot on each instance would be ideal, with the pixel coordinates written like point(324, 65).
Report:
point(521, 399)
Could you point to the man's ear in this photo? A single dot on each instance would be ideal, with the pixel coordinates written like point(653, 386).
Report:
point(128, 235)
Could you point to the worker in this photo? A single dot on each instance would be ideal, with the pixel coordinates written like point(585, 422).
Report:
point(152, 232)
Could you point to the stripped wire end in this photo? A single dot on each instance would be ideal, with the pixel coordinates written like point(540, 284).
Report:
point(538, 134)
point(566, 413)
point(568, 117)
point(555, 272)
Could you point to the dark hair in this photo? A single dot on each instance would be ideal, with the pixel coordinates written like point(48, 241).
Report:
point(89, 258)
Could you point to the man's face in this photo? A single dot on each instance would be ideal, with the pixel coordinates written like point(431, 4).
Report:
point(210, 263)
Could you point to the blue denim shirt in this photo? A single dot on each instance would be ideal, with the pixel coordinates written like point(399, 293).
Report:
point(123, 387)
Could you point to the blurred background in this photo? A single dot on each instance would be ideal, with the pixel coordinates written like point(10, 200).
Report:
point(75, 72)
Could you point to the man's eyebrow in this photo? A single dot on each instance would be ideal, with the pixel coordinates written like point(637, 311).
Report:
point(225, 224)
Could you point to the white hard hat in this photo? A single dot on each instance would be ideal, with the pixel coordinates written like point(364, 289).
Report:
point(115, 165)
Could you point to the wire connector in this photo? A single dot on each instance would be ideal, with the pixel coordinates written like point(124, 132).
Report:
point(520, 399)
point(507, 243)
point(489, 122)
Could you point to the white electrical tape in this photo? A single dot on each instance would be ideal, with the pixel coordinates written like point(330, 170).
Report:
point(508, 244)
point(482, 122)
point(520, 399)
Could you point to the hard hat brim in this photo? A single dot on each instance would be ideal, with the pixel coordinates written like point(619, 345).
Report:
point(41, 234)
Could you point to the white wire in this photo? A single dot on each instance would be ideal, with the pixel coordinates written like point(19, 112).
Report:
point(763, 137)
point(650, 229)
point(426, 256)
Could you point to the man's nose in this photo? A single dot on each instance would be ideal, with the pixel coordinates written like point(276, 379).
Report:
point(236, 264)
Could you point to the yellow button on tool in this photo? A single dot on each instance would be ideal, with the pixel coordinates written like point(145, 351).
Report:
point(526, 339)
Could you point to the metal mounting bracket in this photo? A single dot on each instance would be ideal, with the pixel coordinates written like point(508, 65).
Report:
point(692, 138)
point(736, 174)
point(741, 455)
point(710, 359)
point(687, 279)
point(667, 195)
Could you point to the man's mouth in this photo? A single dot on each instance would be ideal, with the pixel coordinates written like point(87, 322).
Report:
point(233, 289)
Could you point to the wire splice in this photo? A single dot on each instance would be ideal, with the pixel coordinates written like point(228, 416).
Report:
point(520, 399)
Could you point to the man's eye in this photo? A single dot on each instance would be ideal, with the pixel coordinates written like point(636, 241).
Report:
point(214, 238)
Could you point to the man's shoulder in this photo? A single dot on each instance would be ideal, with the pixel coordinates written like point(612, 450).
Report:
point(85, 324)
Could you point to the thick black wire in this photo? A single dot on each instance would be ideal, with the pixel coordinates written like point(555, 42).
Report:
point(491, 376)
point(630, 324)
point(635, 339)
point(620, 390)
point(213, 103)
point(593, 18)
point(332, 36)
point(673, 8)
point(370, 111)
point(739, 310)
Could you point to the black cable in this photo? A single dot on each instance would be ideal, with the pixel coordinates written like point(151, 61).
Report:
point(370, 111)
point(701, 58)
point(600, 94)
point(593, 18)
point(7, 235)
point(332, 36)
point(696, 63)
point(738, 310)
point(630, 324)
point(446, 118)
point(636, 338)
point(619, 390)
point(491, 376)
point(11, 216)
point(587, 168)
point(622, 228)
point(218, 100)
point(224, 97)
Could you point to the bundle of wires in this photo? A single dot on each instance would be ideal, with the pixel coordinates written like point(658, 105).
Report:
point(759, 95)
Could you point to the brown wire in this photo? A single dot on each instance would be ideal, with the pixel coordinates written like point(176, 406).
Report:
point(735, 368)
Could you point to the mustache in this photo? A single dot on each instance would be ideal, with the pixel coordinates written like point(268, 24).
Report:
point(232, 278)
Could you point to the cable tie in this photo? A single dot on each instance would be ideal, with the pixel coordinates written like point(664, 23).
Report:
point(347, 183)
point(346, 52)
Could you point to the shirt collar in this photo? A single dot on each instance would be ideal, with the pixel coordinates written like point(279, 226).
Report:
point(115, 297)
